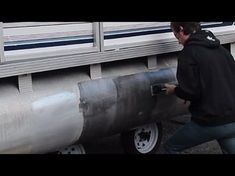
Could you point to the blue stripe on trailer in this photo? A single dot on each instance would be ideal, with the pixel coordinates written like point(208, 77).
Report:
point(48, 44)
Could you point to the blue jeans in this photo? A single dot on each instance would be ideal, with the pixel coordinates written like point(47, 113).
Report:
point(193, 134)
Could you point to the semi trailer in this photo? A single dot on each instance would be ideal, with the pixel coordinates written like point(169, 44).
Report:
point(66, 83)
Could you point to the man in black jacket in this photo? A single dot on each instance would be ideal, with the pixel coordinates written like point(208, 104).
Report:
point(206, 78)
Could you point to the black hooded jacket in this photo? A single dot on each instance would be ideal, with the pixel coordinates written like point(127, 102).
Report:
point(206, 77)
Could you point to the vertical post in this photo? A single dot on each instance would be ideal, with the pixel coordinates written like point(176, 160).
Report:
point(2, 57)
point(152, 62)
point(95, 69)
point(25, 83)
point(96, 35)
point(101, 29)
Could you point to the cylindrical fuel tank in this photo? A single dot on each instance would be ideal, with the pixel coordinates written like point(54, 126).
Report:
point(116, 104)
point(68, 107)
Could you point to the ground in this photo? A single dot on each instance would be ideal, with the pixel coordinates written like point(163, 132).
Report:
point(112, 145)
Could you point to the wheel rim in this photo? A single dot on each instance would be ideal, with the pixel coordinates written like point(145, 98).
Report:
point(146, 137)
point(73, 149)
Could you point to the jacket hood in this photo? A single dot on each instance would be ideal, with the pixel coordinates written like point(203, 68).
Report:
point(204, 38)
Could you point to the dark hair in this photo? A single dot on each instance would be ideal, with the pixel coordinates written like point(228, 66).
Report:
point(189, 27)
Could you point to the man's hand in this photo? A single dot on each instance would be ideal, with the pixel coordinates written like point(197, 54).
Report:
point(170, 88)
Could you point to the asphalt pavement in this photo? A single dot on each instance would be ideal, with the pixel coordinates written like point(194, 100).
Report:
point(112, 144)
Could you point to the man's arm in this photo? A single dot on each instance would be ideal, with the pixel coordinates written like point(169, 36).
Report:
point(188, 87)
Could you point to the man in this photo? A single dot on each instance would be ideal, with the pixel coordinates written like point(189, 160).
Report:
point(206, 78)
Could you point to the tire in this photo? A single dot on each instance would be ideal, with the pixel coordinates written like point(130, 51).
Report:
point(73, 149)
point(145, 139)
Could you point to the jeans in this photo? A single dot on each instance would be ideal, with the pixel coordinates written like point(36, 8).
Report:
point(193, 134)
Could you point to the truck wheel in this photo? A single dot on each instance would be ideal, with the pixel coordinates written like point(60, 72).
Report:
point(142, 140)
point(73, 149)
